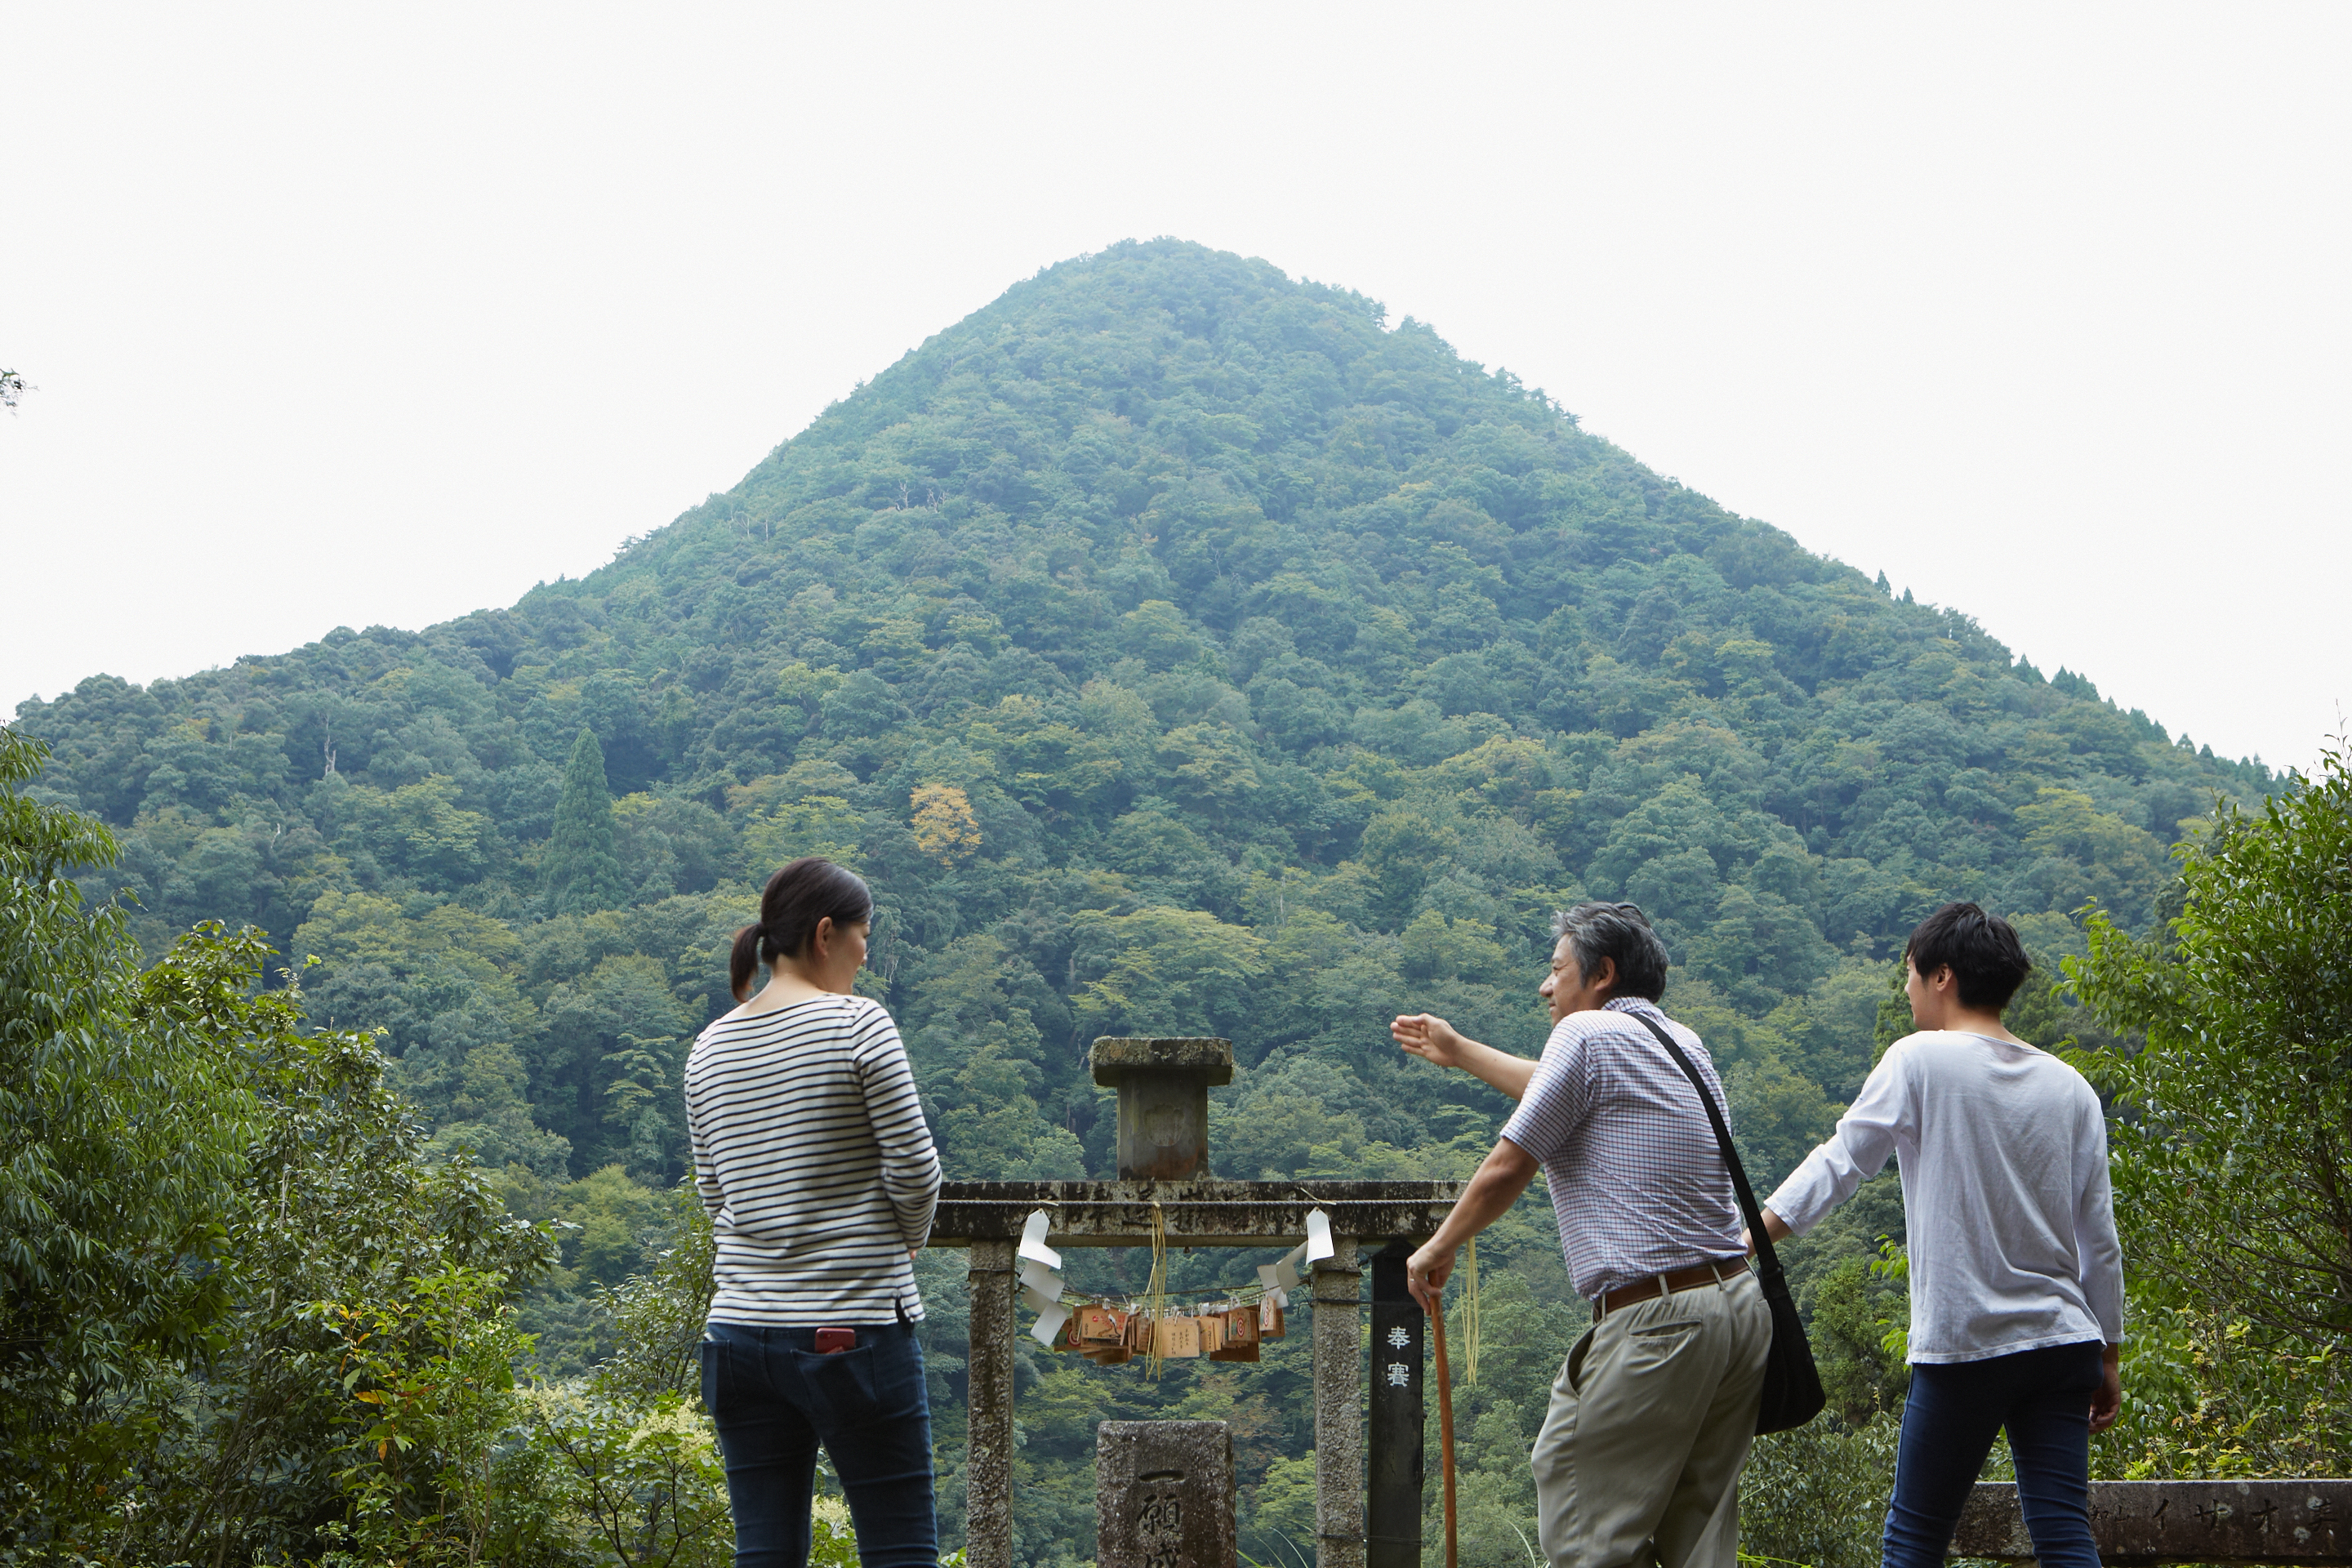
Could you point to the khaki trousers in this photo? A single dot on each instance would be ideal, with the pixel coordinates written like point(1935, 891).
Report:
point(1639, 1459)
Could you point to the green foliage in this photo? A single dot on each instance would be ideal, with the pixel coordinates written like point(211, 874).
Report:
point(122, 1117)
point(2233, 1172)
point(631, 1452)
point(2205, 1394)
point(612, 1215)
point(432, 1378)
point(643, 1482)
point(190, 1170)
point(1817, 1496)
point(1159, 969)
point(1859, 1327)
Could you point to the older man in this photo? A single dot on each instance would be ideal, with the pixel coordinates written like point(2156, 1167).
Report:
point(1652, 1415)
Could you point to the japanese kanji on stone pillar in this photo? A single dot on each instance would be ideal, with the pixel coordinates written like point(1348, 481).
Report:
point(1392, 1482)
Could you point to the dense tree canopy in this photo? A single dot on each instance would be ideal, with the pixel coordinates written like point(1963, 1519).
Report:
point(2236, 1170)
point(1178, 647)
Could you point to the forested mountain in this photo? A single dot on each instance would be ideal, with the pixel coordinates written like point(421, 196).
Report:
point(1177, 647)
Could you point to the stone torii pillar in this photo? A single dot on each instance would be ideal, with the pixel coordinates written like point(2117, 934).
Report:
point(1339, 1435)
point(988, 1387)
point(1163, 1102)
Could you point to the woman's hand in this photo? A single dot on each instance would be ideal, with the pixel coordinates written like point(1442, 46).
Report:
point(1429, 1037)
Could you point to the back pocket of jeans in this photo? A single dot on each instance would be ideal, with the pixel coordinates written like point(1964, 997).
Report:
point(714, 1362)
point(840, 1387)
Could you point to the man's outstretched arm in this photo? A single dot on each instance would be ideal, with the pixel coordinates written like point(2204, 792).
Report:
point(1435, 1040)
point(1504, 1175)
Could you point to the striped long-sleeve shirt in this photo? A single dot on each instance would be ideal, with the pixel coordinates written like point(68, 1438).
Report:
point(811, 1154)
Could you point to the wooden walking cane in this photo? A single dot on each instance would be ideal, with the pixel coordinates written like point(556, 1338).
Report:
point(1444, 1425)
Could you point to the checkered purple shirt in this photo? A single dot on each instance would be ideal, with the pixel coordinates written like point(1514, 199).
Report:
point(1637, 1182)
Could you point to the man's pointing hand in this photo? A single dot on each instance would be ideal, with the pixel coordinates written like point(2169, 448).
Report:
point(1429, 1037)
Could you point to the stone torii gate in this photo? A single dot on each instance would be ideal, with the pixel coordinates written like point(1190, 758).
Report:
point(1163, 1088)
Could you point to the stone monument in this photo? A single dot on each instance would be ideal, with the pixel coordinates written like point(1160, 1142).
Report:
point(1164, 1495)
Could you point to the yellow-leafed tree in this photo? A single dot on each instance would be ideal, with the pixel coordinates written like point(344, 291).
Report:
point(944, 827)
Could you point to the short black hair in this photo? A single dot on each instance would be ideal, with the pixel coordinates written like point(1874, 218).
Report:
point(1980, 950)
point(1620, 932)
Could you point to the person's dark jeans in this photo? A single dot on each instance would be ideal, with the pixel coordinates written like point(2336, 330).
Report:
point(774, 1399)
point(1954, 1411)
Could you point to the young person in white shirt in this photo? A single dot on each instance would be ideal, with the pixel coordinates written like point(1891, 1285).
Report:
point(2016, 1277)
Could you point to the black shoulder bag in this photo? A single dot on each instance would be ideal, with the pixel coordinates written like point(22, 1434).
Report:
point(1792, 1387)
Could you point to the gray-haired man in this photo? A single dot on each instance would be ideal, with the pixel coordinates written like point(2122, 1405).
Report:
point(1651, 1417)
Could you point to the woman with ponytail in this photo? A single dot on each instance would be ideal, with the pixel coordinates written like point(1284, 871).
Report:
point(811, 1153)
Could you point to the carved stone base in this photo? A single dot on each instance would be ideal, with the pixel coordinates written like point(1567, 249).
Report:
point(1164, 1495)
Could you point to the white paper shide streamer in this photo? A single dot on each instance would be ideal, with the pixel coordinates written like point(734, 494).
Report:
point(1318, 1237)
point(1280, 1278)
point(1039, 1269)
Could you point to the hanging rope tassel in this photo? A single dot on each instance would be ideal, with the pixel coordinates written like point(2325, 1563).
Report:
point(1470, 1314)
point(1444, 1427)
point(1156, 1293)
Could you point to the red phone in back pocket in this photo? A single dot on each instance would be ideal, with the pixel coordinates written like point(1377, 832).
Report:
point(833, 1341)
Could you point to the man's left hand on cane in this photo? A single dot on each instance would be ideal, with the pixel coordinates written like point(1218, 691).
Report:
point(1502, 1177)
point(1425, 1274)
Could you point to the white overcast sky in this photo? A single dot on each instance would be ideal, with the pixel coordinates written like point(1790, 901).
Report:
point(341, 315)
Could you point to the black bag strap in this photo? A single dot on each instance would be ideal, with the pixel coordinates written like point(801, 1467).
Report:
point(1767, 1263)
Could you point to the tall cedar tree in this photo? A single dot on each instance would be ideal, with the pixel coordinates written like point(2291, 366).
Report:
point(581, 872)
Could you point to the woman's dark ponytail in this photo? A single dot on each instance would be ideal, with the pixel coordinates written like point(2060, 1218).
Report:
point(800, 895)
point(743, 962)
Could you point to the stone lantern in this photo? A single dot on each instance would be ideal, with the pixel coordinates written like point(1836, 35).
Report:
point(1163, 1085)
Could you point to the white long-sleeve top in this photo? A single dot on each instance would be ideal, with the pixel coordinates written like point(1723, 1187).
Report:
point(811, 1154)
point(2003, 1151)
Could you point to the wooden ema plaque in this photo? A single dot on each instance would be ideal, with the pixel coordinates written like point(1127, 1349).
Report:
point(1100, 1334)
point(1176, 1338)
point(1108, 1336)
point(1098, 1328)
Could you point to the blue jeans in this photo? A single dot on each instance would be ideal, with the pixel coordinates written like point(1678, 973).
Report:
point(774, 1399)
point(2043, 1397)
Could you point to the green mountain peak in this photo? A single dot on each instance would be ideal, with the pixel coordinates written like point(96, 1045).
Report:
point(1178, 647)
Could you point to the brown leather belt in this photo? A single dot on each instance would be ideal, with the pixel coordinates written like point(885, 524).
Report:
point(1659, 1285)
